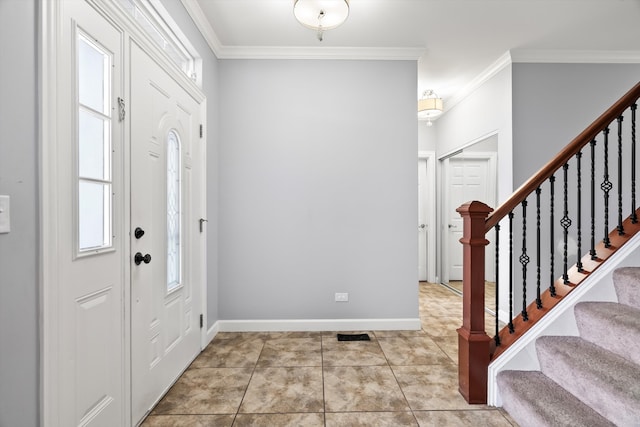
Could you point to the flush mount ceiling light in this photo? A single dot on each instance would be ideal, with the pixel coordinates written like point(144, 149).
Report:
point(321, 15)
point(429, 106)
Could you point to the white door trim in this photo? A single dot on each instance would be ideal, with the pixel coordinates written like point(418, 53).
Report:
point(491, 158)
point(204, 341)
point(430, 157)
point(50, 25)
point(47, 147)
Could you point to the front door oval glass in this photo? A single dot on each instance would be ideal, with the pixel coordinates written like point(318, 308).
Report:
point(173, 210)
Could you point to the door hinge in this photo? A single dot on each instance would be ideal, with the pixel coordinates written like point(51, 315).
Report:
point(121, 109)
point(201, 131)
point(201, 321)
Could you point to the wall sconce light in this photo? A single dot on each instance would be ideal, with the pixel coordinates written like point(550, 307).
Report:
point(429, 106)
point(321, 15)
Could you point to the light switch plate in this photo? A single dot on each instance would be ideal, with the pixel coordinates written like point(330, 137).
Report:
point(5, 219)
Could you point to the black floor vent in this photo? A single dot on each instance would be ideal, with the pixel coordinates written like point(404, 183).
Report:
point(353, 337)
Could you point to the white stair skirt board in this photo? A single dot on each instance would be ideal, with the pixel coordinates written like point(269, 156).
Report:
point(316, 325)
point(561, 320)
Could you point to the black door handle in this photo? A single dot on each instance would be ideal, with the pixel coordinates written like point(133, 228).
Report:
point(139, 258)
point(138, 232)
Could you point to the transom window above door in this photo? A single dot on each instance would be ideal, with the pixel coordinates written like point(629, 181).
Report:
point(146, 15)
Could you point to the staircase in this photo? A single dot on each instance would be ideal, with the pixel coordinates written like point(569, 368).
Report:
point(581, 197)
point(587, 380)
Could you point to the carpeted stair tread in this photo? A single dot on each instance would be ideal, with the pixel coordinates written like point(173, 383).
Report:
point(613, 326)
point(605, 381)
point(532, 399)
point(626, 280)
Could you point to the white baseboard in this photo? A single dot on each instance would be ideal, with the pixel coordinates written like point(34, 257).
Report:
point(314, 325)
point(212, 332)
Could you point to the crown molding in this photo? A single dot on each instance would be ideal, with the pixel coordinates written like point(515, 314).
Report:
point(195, 11)
point(575, 56)
point(547, 56)
point(498, 65)
point(293, 52)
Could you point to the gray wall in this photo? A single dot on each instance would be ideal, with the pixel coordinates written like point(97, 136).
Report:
point(210, 87)
point(426, 137)
point(553, 103)
point(19, 249)
point(318, 189)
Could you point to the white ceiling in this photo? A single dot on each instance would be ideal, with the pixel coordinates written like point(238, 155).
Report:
point(455, 40)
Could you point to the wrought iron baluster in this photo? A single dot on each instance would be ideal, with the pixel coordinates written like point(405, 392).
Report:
point(497, 336)
point(579, 201)
point(565, 222)
point(511, 328)
point(538, 300)
point(634, 216)
point(592, 251)
point(606, 186)
point(552, 286)
point(620, 227)
point(524, 260)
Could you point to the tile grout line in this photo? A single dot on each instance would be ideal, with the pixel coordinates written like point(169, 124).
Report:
point(324, 398)
point(255, 366)
point(398, 383)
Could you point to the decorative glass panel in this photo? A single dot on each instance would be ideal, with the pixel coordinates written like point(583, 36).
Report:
point(94, 200)
point(173, 210)
point(94, 155)
point(94, 146)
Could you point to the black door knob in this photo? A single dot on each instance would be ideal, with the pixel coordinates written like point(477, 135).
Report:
point(138, 232)
point(138, 258)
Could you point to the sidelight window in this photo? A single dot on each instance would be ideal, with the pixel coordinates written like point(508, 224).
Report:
point(93, 153)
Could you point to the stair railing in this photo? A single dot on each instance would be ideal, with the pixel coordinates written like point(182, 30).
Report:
point(475, 348)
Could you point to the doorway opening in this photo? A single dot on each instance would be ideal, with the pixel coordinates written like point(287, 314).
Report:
point(426, 217)
point(467, 174)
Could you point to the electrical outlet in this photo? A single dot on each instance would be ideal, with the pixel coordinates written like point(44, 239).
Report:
point(5, 219)
point(342, 297)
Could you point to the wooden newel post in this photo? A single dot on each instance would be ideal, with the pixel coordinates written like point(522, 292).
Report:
point(473, 341)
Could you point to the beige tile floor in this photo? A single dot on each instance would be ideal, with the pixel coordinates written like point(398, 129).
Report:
point(489, 293)
point(399, 378)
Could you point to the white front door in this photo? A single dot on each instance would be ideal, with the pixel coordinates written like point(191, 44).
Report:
point(467, 178)
point(87, 378)
point(165, 238)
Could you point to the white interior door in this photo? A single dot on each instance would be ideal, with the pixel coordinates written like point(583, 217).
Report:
point(467, 178)
point(165, 206)
point(423, 229)
point(89, 377)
